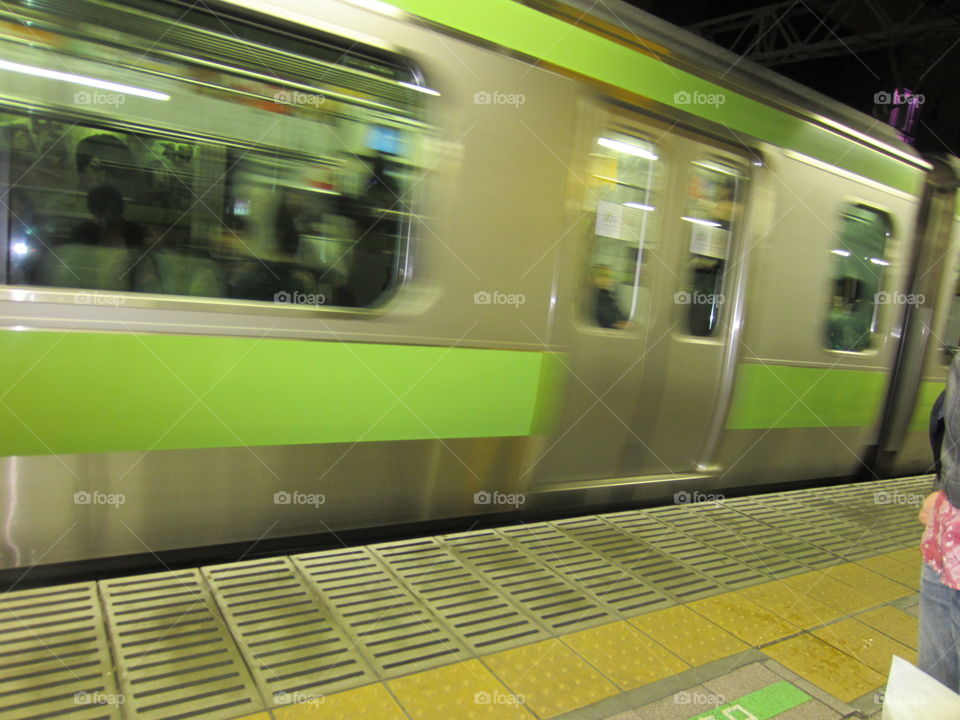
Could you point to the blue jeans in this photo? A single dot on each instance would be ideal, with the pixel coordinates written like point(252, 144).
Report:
point(939, 652)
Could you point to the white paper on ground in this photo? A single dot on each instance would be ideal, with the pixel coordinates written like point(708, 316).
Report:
point(911, 694)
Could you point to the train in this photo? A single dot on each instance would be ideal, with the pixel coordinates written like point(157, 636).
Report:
point(277, 269)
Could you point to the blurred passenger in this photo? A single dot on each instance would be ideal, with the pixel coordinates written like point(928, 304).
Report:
point(104, 160)
point(939, 650)
point(608, 314)
point(108, 228)
point(378, 226)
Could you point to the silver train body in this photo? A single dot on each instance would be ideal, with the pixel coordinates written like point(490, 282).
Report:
point(501, 255)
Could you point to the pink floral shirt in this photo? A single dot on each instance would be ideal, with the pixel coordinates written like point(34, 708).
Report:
point(941, 542)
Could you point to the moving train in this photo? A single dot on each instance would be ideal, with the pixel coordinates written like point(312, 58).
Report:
point(283, 268)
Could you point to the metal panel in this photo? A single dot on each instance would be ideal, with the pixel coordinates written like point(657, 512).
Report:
point(55, 660)
point(292, 644)
point(395, 633)
point(174, 654)
point(484, 618)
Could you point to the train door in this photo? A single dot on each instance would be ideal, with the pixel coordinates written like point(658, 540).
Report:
point(652, 284)
point(685, 392)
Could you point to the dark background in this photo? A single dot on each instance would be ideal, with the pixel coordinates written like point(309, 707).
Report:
point(846, 49)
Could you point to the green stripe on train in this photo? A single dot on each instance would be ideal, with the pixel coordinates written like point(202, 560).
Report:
point(510, 24)
point(784, 396)
point(103, 392)
point(926, 397)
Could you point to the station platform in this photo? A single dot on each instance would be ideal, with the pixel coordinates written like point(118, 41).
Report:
point(786, 605)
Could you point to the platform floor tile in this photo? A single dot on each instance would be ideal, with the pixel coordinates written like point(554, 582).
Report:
point(826, 667)
point(688, 635)
point(362, 703)
point(551, 677)
point(625, 655)
point(841, 597)
point(791, 604)
point(894, 569)
point(868, 645)
point(873, 584)
point(744, 619)
point(465, 691)
point(895, 623)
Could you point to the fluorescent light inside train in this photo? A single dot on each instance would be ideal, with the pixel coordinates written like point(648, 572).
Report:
point(878, 261)
point(420, 88)
point(378, 6)
point(626, 148)
point(844, 253)
point(81, 80)
point(639, 206)
point(699, 221)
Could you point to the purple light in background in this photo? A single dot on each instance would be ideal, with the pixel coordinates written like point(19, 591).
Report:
point(905, 112)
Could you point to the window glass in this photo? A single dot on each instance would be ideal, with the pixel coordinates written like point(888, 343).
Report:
point(625, 192)
point(710, 213)
point(858, 266)
point(266, 192)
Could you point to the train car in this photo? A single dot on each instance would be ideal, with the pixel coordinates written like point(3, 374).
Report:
point(277, 269)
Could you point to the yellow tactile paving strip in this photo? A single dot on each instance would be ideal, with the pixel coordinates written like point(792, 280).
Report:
point(894, 623)
point(551, 677)
point(868, 645)
point(369, 701)
point(689, 635)
point(744, 619)
point(826, 667)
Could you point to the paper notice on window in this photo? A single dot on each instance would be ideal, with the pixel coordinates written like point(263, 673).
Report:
point(709, 241)
point(609, 219)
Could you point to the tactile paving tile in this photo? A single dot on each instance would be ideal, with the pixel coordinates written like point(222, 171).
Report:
point(744, 619)
point(874, 585)
point(174, 654)
point(369, 701)
point(466, 691)
point(551, 678)
point(484, 619)
point(787, 603)
point(625, 655)
point(292, 645)
point(688, 635)
point(596, 557)
point(843, 598)
point(664, 561)
point(556, 603)
point(395, 633)
point(891, 621)
point(894, 570)
point(55, 661)
point(826, 667)
point(866, 644)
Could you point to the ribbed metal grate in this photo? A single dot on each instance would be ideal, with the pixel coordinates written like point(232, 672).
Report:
point(174, 654)
point(485, 619)
point(54, 657)
point(395, 632)
point(293, 646)
point(557, 604)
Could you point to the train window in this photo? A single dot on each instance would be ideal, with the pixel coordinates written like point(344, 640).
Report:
point(858, 265)
point(624, 185)
point(287, 189)
point(708, 219)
